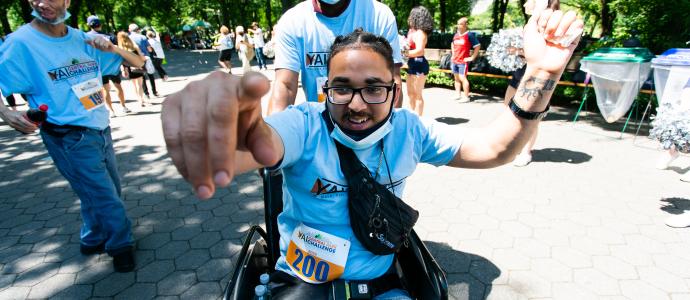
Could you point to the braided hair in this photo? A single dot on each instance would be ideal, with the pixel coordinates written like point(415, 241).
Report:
point(360, 39)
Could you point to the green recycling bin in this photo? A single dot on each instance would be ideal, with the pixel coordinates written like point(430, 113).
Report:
point(617, 75)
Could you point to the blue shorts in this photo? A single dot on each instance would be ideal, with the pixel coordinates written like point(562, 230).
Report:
point(460, 69)
point(417, 66)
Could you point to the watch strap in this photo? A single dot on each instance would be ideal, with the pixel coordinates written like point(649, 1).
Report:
point(527, 115)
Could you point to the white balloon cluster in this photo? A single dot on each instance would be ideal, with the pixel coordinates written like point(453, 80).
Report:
point(671, 127)
point(503, 50)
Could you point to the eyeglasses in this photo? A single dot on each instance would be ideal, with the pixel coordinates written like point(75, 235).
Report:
point(372, 94)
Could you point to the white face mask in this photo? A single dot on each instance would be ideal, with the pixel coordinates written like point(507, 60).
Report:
point(331, 2)
point(367, 142)
point(59, 20)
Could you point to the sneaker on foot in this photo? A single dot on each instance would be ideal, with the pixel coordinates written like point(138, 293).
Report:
point(124, 262)
point(522, 160)
point(679, 221)
point(666, 160)
point(464, 99)
point(165, 78)
point(126, 110)
point(89, 250)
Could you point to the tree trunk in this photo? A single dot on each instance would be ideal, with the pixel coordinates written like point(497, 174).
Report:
point(287, 4)
point(522, 9)
point(6, 28)
point(442, 7)
point(26, 10)
point(498, 14)
point(269, 18)
point(75, 8)
point(607, 18)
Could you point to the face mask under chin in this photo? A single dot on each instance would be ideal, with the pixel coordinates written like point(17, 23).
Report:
point(60, 19)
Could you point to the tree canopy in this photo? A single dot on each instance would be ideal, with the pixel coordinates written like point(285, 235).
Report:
point(659, 24)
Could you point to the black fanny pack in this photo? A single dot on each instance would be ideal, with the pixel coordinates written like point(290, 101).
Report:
point(380, 220)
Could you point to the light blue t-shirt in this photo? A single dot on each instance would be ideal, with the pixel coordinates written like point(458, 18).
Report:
point(45, 68)
point(141, 41)
point(315, 189)
point(114, 63)
point(304, 38)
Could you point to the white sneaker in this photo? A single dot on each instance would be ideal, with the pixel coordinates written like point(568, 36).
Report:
point(463, 99)
point(679, 221)
point(685, 177)
point(666, 160)
point(522, 160)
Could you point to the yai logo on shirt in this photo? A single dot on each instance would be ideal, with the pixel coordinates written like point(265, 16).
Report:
point(73, 70)
point(316, 59)
point(325, 186)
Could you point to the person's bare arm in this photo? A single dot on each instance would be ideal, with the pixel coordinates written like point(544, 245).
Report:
point(503, 139)
point(284, 90)
point(419, 39)
point(104, 44)
point(475, 53)
point(16, 119)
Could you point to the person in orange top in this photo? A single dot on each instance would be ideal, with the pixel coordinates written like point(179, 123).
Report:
point(465, 48)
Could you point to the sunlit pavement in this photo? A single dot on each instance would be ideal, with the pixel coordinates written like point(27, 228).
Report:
point(584, 220)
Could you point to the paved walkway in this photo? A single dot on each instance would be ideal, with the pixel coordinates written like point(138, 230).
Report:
point(583, 221)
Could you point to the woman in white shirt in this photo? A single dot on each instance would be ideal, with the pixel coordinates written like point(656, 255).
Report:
point(225, 45)
point(158, 55)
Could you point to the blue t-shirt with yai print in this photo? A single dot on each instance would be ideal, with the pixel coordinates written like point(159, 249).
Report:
point(304, 38)
point(315, 189)
point(47, 68)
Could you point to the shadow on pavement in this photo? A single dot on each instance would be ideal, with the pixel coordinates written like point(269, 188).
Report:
point(559, 155)
point(452, 120)
point(181, 241)
point(469, 276)
point(675, 205)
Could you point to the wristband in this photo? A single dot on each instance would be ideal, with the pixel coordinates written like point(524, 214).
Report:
point(527, 115)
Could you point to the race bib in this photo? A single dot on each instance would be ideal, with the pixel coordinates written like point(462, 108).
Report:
point(89, 93)
point(320, 81)
point(316, 256)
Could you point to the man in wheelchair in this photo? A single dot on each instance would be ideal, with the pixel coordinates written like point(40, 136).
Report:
point(214, 129)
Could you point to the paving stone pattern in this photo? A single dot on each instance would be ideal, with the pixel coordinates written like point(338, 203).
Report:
point(583, 221)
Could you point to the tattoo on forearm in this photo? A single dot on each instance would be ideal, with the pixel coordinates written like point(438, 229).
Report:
point(533, 88)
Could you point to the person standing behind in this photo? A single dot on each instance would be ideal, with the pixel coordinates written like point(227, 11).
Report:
point(464, 49)
point(258, 38)
point(146, 49)
point(303, 39)
point(95, 24)
point(243, 47)
point(421, 25)
point(158, 55)
point(225, 45)
point(135, 75)
point(60, 66)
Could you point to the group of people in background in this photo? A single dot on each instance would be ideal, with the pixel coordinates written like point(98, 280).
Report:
point(248, 44)
point(148, 47)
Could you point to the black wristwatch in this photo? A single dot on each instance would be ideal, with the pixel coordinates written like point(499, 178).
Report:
point(527, 115)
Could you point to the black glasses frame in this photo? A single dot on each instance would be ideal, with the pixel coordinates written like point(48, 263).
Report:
point(388, 88)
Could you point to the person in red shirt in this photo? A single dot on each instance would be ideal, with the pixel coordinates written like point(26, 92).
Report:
point(465, 48)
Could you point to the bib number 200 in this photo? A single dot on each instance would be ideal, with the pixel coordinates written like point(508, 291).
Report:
point(310, 266)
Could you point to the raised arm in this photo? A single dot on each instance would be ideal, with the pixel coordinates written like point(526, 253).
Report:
point(503, 139)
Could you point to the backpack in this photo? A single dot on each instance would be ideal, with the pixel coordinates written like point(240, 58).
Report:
point(444, 63)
